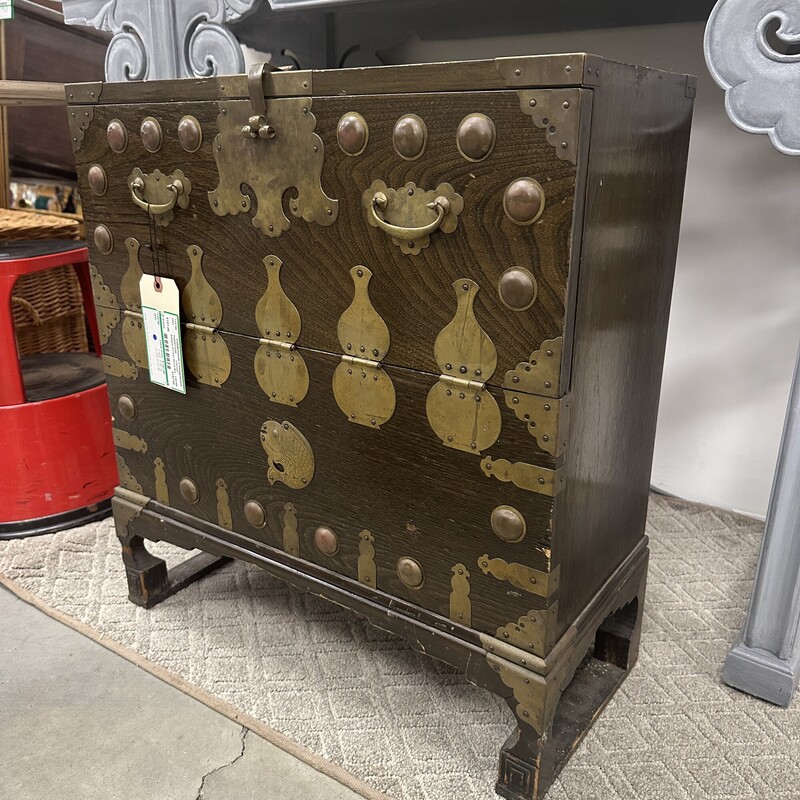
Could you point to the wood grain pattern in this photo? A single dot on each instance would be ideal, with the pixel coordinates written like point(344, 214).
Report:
point(413, 294)
point(417, 497)
point(634, 195)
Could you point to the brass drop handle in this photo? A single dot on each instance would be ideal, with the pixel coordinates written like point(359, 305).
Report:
point(380, 202)
point(137, 187)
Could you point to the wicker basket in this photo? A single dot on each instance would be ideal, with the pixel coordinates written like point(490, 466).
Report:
point(47, 306)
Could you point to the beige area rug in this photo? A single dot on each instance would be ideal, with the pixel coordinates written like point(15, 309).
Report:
point(415, 729)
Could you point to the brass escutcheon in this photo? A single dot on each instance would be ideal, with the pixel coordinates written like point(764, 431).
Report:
point(158, 194)
point(290, 457)
point(411, 214)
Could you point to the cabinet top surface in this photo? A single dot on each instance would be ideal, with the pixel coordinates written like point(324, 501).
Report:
point(515, 72)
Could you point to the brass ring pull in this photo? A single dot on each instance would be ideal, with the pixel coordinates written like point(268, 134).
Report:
point(380, 202)
point(175, 186)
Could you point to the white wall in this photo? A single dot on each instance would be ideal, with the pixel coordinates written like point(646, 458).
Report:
point(735, 324)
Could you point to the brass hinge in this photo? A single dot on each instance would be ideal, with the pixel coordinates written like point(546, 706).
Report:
point(361, 362)
point(463, 383)
point(277, 344)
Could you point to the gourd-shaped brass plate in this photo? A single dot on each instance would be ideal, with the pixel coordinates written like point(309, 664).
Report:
point(461, 412)
point(133, 338)
point(204, 350)
point(361, 387)
point(105, 305)
point(132, 327)
point(280, 370)
point(291, 460)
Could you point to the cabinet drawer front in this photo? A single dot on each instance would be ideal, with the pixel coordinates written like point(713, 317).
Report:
point(392, 509)
point(524, 273)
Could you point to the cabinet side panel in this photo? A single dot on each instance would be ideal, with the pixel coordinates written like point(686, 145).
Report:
point(637, 164)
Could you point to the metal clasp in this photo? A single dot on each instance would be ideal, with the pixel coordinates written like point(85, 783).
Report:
point(257, 126)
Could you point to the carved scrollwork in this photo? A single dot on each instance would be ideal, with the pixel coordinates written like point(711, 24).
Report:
point(164, 39)
point(752, 51)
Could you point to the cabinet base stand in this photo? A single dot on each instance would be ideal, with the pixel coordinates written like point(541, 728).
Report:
point(556, 699)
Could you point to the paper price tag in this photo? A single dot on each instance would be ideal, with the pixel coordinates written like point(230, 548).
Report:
point(6, 9)
point(162, 330)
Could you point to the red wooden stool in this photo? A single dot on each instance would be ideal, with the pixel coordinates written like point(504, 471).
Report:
point(57, 462)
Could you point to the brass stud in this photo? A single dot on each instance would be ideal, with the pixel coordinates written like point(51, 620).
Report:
point(117, 136)
point(410, 572)
point(523, 201)
point(190, 134)
point(508, 524)
point(127, 406)
point(98, 182)
point(189, 490)
point(151, 134)
point(352, 133)
point(103, 239)
point(518, 289)
point(326, 541)
point(410, 137)
point(476, 136)
point(254, 514)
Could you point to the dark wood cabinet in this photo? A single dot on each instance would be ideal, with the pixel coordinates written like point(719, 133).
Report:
point(424, 311)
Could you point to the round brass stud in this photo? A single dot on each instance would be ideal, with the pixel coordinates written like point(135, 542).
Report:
point(103, 239)
point(189, 490)
point(410, 137)
point(410, 572)
point(475, 137)
point(523, 201)
point(326, 541)
point(508, 524)
point(352, 133)
point(190, 134)
point(117, 135)
point(517, 288)
point(98, 182)
point(126, 406)
point(254, 514)
point(151, 134)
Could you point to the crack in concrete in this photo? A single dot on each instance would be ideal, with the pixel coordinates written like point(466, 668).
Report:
point(208, 774)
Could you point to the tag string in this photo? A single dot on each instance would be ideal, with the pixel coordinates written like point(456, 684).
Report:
point(153, 232)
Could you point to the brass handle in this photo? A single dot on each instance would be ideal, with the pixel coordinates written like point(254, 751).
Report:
point(380, 202)
point(175, 186)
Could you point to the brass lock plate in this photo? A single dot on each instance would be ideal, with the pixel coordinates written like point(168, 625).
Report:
point(290, 159)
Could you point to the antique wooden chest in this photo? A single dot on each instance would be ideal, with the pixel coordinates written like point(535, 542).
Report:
point(423, 316)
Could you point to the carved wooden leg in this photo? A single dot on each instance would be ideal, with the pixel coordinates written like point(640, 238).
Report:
point(149, 580)
point(555, 710)
point(526, 764)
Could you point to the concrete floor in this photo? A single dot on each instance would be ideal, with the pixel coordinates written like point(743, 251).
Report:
point(78, 721)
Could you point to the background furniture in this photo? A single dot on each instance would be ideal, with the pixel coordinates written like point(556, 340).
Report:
point(56, 449)
point(752, 52)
